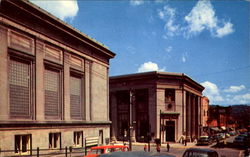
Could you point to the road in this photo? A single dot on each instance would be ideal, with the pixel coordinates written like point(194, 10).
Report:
point(178, 149)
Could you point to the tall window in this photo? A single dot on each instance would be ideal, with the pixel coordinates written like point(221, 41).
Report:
point(20, 87)
point(78, 138)
point(169, 99)
point(52, 83)
point(76, 105)
point(54, 140)
point(22, 144)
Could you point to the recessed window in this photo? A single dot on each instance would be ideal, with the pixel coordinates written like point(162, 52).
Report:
point(169, 99)
point(54, 140)
point(22, 144)
point(76, 96)
point(78, 138)
point(52, 86)
point(20, 87)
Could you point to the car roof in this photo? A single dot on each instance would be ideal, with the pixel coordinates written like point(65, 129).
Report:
point(201, 150)
point(135, 154)
point(109, 146)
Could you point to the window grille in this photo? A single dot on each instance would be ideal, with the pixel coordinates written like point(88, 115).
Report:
point(19, 88)
point(52, 93)
point(75, 97)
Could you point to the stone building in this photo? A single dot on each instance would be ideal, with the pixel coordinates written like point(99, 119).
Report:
point(53, 82)
point(163, 105)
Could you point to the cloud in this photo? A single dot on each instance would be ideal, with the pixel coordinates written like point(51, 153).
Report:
point(227, 29)
point(169, 49)
point(184, 57)
point(136, 2)
point(168, 15)
point(202, 17)
point(149, 66)
point(233, 89)
point(62, 9)
point(212, 92)
point(241, 99)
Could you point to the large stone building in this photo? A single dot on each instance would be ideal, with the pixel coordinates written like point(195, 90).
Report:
point(163, 105)
point(53, 82)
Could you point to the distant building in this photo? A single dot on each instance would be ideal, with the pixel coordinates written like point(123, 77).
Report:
point(53, 82)
point(204, 111)
point(164, 105)
point(219, 117)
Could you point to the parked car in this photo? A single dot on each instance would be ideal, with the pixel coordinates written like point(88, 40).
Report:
point(95, 151)
point(192, 152)
point(216, 138)
point(135, 154)
point(204, 140)
point(239, 140)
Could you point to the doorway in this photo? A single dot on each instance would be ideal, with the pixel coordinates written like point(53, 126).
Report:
point(170, 131)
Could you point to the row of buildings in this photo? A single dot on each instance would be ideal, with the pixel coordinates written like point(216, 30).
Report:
point(56, 91)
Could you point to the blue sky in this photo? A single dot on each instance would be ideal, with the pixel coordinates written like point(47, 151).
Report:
point(206, 40)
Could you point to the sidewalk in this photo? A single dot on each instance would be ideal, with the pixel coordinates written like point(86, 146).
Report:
point(172, 144)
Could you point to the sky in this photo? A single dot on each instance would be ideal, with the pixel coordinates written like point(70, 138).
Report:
point(208, 40)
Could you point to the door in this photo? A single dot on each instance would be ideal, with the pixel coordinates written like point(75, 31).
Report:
point(170, 131)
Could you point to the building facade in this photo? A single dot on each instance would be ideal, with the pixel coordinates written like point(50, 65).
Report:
point(156, 105)
point(53, 82)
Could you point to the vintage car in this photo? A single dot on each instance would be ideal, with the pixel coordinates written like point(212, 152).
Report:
point(136, 154)
point(95, 151)
point(204, 140)
point(200, 152)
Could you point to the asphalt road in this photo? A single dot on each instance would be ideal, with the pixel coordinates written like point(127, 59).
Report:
point(178, 150)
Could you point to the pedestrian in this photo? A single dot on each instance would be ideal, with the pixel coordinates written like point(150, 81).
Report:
point(145, 148)
point(158, 149)
point(168, 147)
point(185, 142)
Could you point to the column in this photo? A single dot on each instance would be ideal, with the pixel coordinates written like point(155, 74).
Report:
point(66, 85)
point(3, 74)
point(39, 80)
point(87, 90)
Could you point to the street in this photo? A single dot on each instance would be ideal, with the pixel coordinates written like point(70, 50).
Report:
point(177, 149)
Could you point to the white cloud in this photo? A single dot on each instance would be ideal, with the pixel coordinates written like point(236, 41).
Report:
point(60, 8)
point(136, 2)
point(212, 92)
point(168, 15)
point(233, 89)
point(169, 49)
point(227, 29)
point(184, 57)
point(202, 17)
point(241, 99)
point(149, 66)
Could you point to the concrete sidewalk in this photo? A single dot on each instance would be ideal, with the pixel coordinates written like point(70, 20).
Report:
point(164, 145)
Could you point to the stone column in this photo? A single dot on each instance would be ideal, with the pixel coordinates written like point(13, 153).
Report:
point(40, 81)
point(113, 106)
point(87, 87)
point(66, 85)
point(193, 114)
point(4, 104)
point(152, 111)
point(178, 104)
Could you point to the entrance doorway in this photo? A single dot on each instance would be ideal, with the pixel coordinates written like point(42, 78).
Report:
point(170, 131)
